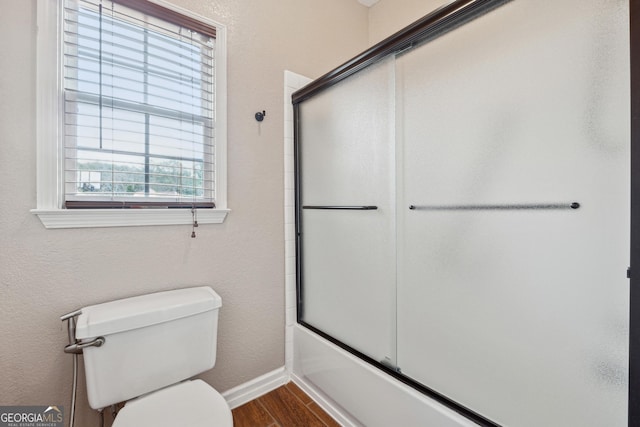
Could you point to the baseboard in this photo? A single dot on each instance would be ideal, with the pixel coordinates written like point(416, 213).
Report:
point(250, 390)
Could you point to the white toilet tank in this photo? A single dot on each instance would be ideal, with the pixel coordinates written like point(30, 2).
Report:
point(151, 341)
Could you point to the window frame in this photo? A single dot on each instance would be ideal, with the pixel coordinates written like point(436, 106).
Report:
point(50, 158)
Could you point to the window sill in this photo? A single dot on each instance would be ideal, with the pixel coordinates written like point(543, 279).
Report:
point(84, 218)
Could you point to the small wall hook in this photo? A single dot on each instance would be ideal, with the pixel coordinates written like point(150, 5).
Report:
point(260, 115)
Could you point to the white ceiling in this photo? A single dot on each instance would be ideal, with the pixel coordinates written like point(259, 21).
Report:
point(368, 3)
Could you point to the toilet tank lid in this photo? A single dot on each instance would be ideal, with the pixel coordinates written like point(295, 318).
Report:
point(144, 310)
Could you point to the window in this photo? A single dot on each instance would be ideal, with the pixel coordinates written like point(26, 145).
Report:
point(139, 115)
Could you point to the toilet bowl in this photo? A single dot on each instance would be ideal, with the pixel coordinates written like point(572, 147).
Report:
point(151, 345)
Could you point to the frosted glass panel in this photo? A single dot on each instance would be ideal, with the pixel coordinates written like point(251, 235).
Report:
point(348, 256)
point(520, 315)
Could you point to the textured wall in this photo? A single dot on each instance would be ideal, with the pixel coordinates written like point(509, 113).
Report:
point(46, 273)
point(388, 16)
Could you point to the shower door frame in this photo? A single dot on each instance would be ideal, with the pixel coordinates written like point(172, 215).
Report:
point(445, 19)
point(634, 300)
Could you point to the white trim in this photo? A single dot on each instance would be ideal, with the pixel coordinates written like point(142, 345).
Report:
point(255, 388)
point(83, 218)
point(221, 116)
point(49, 167)
point(48, 103)
point(292, 82)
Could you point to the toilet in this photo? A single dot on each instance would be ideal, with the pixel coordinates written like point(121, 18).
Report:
point(153, 344)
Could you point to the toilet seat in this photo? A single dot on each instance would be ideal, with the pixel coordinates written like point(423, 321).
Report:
point(189, 404)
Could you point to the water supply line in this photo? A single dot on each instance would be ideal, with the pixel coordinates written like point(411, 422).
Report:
point(71, 331)
point(72, 414)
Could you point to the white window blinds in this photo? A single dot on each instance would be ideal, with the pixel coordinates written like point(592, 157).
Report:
point(138, 107)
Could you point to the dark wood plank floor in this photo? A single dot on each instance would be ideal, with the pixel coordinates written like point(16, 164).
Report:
point(286, 406)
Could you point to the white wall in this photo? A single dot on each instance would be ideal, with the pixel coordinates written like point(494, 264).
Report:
point(46, 273)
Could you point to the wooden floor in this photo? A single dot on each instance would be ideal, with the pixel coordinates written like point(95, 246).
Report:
point(286, 406)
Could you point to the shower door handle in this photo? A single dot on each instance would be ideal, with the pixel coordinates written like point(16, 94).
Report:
point(496, 207)
point(343, 208)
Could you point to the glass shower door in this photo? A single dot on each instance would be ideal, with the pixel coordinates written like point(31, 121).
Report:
point(347, 200)
point(513, 213)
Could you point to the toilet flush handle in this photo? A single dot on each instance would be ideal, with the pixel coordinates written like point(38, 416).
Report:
point(75, 346)
point(78, 346)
